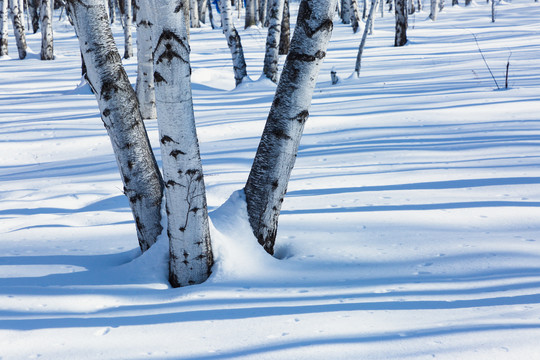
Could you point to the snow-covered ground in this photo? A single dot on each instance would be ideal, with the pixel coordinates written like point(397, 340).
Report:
point(411, 229)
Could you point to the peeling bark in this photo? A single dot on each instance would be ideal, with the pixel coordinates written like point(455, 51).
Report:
point(273, 163)
point(121, 117)
point(188, 228)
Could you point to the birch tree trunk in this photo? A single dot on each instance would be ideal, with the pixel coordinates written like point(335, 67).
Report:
point(3, 27)
point(18, 28)
point(492, 10)
point(233, 41)
point(419, 7)
point(187, 217)
point(201, 5)
point(45, 14)
point(346, 11)
point(358, 65)
point(112, 10)
point(145, 62)
point(434, 8)
point(120, 114)
point(271, 57)
point(263, 7)
point(285, 34)
point(401, 23)
point(194, 14)
point(355, 16)
point(127, 16)
point(267, 182)
point(441, 5)
point(34, 16)
point(455, 2)
point(251, 13)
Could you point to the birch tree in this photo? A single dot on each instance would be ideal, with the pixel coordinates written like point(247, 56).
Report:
point(187, 216)
point(33, 6)
point(401, 23)
point(234, 42)
point(18, 27)
point(434, 9)
point(346, 11)
point(285, 34)
point(3, 27)
point(45, 15)
point(358, 65)
point(127, 17)
point(121, 117)
point(271, 57)
point(267, 182)
point(194, 14)
point(145, 61)
point(355, 16)
point(251, 13)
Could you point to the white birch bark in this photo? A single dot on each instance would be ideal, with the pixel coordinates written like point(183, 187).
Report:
point(145, 62)
point(401, 23)
point(355, 16)
point(285, 34)
point(112, 10)
point(234, 42)
point(358, 65)
point(187, 217)
point(127, 17)
point(271, 56)
point(273, 163)
point(263, 8)
point(434, 9)
point(346, 11)
point(194, 14)
point(3, 27)
point(33, 14)
point(202, 5)
point(120, 114)
point(251, 13)
point(45, 14)
point(18, 27)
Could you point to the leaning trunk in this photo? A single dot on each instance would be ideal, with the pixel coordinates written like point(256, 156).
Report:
point(233, 41)
point(364, 37)
point(273, 163)
point(121, 117)
point(187, 217)
point(45, 14)
point(401, 23)
point(18, 27)
point(271, 57)
point(145, 62)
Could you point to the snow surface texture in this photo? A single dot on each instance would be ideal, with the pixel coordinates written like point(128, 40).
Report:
point(410, 229)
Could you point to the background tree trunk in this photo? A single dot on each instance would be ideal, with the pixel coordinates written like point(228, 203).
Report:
point(18, 27)
point(127, 17)
point(434, 9)
point(355, 16)
point(121, 117)
point(401, 23)
point(112, 10)
point(271, 57)
point(194, 14)
point(263, 8)
point(3, 27)
point(201, 5)
point(33, 6)
point(273, 163)
point(285, 34)
point(187, 217)
point(346, 11)
point(145, 62)
point(358, 65)
point(251, 13)
point(45, 14)
point(233, 41)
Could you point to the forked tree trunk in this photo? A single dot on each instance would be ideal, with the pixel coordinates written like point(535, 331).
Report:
point(3, 27)
point(18, 27)
point(271, 56)
point(355, 16)
point(267, 182)
point(187, 217)
point(358, 65)
point(434, 8)
point(145, 62)
point(285, 34)
point(233, 41)
point(121, 117)
point(251, 13)
point(401, 23)
point(45, 14)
